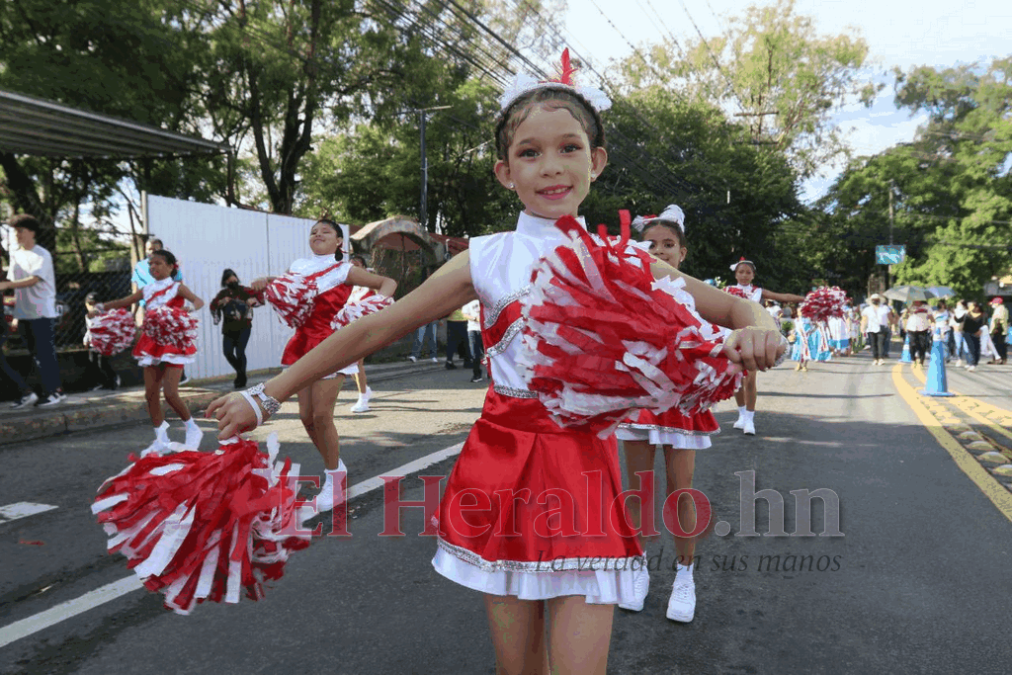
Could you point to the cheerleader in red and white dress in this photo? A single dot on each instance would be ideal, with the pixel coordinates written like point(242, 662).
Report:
point(523, 518)
point(680, 435)
point(744, 273)
point(333, 282)
point(167, 344)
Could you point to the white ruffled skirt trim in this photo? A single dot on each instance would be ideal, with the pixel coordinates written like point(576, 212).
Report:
point(599, 587)
point(682, 441)
point(146, 360)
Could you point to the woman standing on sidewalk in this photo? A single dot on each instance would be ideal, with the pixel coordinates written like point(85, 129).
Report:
point(233, 309)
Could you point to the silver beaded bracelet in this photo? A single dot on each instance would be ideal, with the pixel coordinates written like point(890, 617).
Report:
point(269, 404)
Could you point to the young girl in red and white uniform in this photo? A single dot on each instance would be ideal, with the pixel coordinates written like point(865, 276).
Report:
point(161, 359)
point(679, 435)
point(548, 598)
point(334, 281)
point(744, 274)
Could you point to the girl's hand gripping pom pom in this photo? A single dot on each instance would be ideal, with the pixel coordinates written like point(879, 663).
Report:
point(756, 348)
point(234, 413)
point(112, 332)
point(201, 526)
point(292, 296)
point(604, 337)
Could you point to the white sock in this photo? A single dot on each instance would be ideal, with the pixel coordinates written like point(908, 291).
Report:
point(192, 424)
point(162, 432)
point(742, 412)
point(683, 571)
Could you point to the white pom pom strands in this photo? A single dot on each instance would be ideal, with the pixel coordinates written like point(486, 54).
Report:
point(602, 337)
point(356, 310)
point(524, 83)
point(171, 326)
point(112, 332)
point(291, 296)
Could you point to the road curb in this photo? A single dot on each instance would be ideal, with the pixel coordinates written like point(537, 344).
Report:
point(87, 414)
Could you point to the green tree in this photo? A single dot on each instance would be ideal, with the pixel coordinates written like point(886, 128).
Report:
point(773, 68)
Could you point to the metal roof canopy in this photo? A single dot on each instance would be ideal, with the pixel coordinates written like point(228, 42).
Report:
point(33, 126)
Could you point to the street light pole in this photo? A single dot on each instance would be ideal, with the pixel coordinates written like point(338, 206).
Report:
point(423, 212)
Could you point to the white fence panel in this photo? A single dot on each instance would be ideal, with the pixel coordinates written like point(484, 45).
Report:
point(207, 239)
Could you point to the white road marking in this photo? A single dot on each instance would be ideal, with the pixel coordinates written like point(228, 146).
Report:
point(22, 510)
point(109, 592)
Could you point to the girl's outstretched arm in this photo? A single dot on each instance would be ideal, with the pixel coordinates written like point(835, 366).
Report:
point(360, 277)
point(756, 341)
point(443, 292)
point(782, 297)
point(116, 304)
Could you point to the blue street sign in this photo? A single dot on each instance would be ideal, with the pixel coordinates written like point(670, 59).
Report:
point(890, 255)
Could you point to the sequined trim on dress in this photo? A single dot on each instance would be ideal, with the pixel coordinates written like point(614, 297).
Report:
point(670, 430)
point(586, 564)
point(507, 337)
point(513, 393)
point(504, 301)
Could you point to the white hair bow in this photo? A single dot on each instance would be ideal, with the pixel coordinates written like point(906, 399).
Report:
point(671, 213)
point(523, 83)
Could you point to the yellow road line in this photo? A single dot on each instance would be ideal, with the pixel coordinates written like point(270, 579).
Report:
point(961, 402)
point(991, 488)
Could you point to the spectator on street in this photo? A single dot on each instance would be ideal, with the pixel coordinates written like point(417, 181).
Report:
point(999, 328)
point(426, 332)
point(874, 323)
point(233, 309)
point(960, 349)
point(472, 312)
point(974, 322)
point(456, 337)
point(33, 279)
point(918, 326)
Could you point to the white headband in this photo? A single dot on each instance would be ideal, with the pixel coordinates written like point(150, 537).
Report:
point(671, 212)
point(524, 83)
point(734, 267)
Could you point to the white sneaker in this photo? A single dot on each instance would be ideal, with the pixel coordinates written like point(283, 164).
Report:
point(155, 449)
point(641, 585)
point(682, 604)
point(193, 436)
point(740, 423)
point(26, 400)
point(969, 369)
point(325, 500)
point(53, 399)
point(413, 359)
point(361, 406)
point(749, 428)
point(435, 360)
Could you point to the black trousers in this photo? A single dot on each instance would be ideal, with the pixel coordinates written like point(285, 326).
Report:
point(920, 343)
point(234, 343)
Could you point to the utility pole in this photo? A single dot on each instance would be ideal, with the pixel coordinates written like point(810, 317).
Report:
point(424, 210)
point(891, 215)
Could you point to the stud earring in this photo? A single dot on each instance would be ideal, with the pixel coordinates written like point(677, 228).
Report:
point(511, 186)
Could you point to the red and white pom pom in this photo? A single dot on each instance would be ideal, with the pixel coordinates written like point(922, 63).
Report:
point(112, 332)
point(292, 296)
point(737, 291)
point(171, 326)
point(199, 526)
point(603, 337)
point(356, 310)
point(824, 303)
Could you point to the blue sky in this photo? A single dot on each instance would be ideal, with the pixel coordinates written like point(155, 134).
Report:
point(898, 33)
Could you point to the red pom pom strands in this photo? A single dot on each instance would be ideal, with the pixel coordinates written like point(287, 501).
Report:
point(112, 331)
point(171, 326)
point(737, 291)
point(356, 310)
point(824, 303)
point(292, 296)
point(201, 526)
point(604, 337)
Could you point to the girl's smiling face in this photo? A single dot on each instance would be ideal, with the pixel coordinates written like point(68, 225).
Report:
point(324, 239)
point(744, 274)
point(664, 245)
point(550, 163)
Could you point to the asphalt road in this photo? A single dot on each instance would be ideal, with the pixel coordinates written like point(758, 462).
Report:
point(918, 581)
